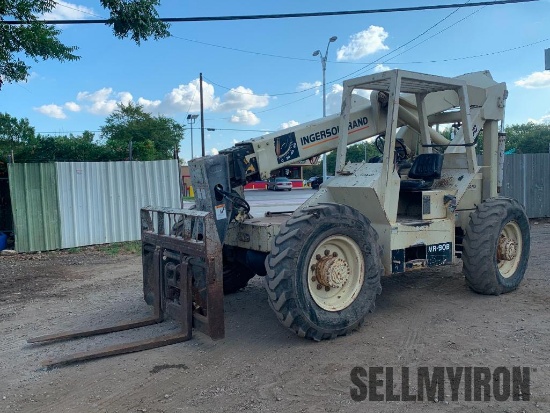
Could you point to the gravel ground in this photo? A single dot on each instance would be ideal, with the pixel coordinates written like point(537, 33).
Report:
point(427, 318)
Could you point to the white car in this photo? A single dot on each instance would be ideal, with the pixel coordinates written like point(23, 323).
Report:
point(279, 184)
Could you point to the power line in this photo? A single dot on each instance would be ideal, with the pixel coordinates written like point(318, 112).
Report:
point(379, 61)
point(244, 51)
point(353, 63)
point(77, 9)
point(451, 59)
point(385, 55)
point(435, 34)
point(289, 15)
point(410, 41)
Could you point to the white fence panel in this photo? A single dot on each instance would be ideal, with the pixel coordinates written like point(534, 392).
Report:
point(99, 202)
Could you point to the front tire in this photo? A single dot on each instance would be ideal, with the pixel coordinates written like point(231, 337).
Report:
point(323, 273)
point(496, 246)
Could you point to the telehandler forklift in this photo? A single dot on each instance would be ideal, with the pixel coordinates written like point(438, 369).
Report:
point(424, 202)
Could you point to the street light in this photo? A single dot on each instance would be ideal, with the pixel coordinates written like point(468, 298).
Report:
point(191, 120)
point(324, 65)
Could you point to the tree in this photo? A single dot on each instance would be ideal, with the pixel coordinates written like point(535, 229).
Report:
point(151, 137)
point(68, 148)
point(36, 40)
point(13, 134)
point(528, 137)
point(355, 153)
point(14, 131)
point(523, 138)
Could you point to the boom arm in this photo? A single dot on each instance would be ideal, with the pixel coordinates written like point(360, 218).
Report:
point(258, 157)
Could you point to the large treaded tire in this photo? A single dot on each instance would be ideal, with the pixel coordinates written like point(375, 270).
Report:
point(479, 256)
point(287, 266)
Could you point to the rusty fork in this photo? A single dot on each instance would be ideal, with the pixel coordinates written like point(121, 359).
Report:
point(198, 239)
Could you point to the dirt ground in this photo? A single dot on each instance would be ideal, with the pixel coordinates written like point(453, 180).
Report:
point(427, 318)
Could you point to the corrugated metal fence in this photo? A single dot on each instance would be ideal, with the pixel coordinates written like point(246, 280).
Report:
point(72, 204)
point(527, 179)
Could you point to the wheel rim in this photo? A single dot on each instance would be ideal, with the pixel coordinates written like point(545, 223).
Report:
point(509, 249)
point(336, 273)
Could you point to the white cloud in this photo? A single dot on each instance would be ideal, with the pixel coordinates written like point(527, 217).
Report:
point(103, 101)
point(214, 151)
point(186, 98)
point(289, 124)
point(69, 11)
point(536, 80)
point(53, 111)
point(380, 68)
point(334, 98)
point(182, 99)
point(241, 98)
point(149, 105)
point(363, 44)
point(31, 76)
point(545, 119)
point(306, 86)
point(125, 98)
point(72, 106)
point(245, 117)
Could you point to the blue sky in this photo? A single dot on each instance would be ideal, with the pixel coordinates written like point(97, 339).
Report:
point(255, 72)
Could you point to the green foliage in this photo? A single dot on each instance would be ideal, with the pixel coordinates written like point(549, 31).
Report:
point(524, 138)
point(14, 131)
point(152, 137)
point(137, 19)
point(355, 153)
point(36, 40)
point(528, 137)
point(479, 145)
point(64, 149)
point(117, 248)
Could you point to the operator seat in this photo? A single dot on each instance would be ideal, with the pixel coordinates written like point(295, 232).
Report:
point(424, 170)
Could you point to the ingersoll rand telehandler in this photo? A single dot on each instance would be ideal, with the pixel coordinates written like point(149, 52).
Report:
point(425, 201)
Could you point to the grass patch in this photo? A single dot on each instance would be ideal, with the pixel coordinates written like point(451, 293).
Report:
point(188, 198)
point(130, 247)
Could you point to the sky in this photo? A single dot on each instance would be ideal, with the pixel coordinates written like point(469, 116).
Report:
point(260, 76)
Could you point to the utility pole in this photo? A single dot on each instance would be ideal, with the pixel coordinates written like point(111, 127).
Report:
point(324, 66)
point(191, 120)
point(202, 118)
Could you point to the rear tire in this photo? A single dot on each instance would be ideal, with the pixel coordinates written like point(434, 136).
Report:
point(340, 241)
point(496, 246)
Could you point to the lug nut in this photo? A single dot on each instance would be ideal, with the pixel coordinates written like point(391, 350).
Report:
point(327, 252)
point(319, 286)
point(327, 288)
point(313, 267)
point(318, 257)
point(314, 278)
point(335, 254)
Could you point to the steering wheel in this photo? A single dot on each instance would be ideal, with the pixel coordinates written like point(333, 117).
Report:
point(400, 152)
